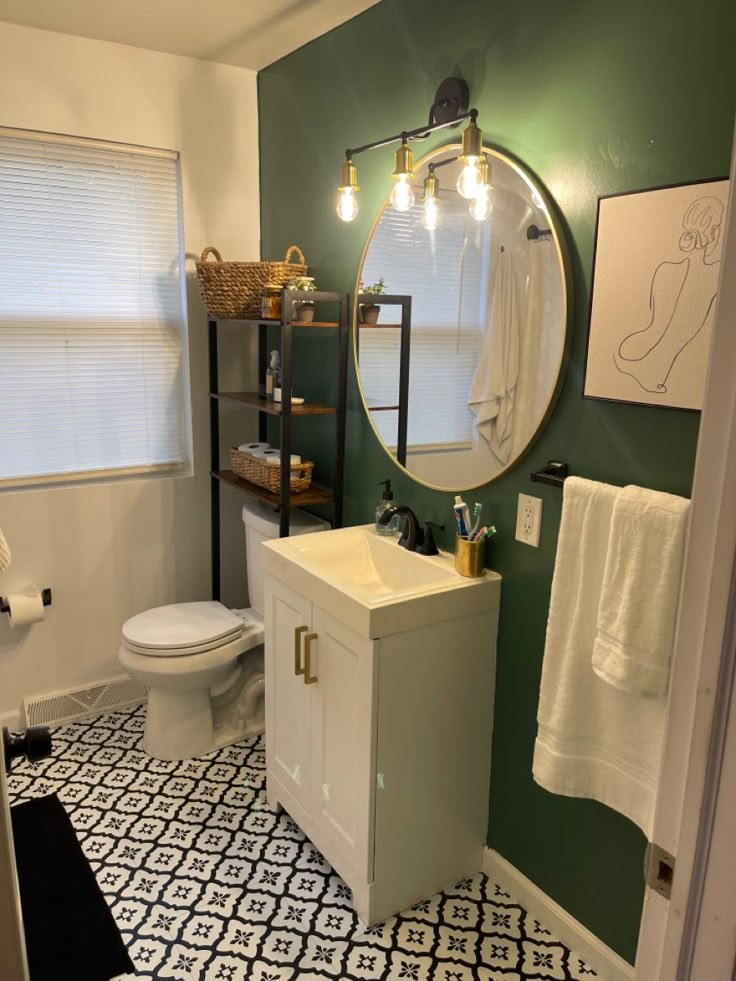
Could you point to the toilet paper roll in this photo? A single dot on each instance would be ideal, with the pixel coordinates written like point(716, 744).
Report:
point(251, 447)
point(276, 460)
point(25, 607)
point(262, 454)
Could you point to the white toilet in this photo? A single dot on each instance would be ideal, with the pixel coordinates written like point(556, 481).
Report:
point(202, 663)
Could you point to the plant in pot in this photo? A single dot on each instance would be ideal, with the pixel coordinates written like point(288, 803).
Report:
point(369, 311)
point(303, 309)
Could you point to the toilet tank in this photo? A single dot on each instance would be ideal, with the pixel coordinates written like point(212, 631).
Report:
point(261, 525)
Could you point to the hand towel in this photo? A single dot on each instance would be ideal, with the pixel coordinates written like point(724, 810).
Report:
point(592, 739)
point(641, 591)
point(492, 390)
point(6, 556)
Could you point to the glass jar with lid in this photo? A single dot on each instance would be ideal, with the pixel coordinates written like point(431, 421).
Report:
point(271, 301)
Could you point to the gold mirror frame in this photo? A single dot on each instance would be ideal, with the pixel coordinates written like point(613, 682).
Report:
point(563, 258)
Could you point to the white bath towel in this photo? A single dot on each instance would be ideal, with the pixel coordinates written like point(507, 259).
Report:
point(6, 556)
point(641, 589)
point(492, 390)
point(592, 739)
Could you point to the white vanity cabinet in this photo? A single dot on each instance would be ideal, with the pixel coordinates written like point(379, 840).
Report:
point(379, 746)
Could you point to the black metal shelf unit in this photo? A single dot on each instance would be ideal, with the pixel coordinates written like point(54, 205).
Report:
point(284, 499)
point(403, 301)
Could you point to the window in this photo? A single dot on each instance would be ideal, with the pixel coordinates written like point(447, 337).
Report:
point(93, 365)
point(445, 324)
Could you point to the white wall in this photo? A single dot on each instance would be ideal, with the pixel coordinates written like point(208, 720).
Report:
point(109, 550)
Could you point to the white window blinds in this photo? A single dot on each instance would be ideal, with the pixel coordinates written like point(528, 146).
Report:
point(443, 271)
point(92, 324)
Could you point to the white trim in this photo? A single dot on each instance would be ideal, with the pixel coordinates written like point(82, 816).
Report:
point(13, 720)
point(13, 133)
point(606, 962)
point(699, 643)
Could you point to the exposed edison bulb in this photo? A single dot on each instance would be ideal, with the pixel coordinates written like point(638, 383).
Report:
point(431, 214)
point(480, 206)
point(469, 179)
point(347, 203)
point(402, 196)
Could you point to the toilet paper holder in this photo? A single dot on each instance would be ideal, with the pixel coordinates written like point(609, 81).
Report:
point(45, 597)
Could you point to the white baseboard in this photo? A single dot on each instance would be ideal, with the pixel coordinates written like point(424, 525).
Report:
point(606, 962)
point(13, 720)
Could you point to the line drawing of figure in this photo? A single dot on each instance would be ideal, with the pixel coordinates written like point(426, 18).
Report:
point(681, 298)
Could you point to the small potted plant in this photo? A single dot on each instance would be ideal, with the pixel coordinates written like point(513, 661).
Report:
point(369, 311)
point(303, 309)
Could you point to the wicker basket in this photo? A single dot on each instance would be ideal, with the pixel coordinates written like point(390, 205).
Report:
point(234, 289)
point(268, 475)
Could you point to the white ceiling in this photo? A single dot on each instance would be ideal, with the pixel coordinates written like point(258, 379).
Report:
point(245, 33)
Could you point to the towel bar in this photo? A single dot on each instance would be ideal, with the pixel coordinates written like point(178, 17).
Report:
point(554, 473)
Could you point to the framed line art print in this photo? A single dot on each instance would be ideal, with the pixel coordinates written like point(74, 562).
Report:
point(655, 281)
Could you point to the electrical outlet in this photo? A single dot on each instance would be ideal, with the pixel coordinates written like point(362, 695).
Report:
point(529, 520)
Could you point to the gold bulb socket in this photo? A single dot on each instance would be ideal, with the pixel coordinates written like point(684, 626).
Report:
point(349, 176)
point(431, 188)
point(484, 170)
point(472, 141)
point(404, 161)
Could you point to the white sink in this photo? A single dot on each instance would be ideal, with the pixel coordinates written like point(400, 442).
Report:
point(372, 584)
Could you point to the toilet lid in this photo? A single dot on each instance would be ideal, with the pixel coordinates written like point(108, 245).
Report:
point(171, 630)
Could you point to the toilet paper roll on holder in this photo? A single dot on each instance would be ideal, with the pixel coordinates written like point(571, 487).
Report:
point(45, 598)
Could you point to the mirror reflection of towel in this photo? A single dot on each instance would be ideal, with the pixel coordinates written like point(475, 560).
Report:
point(492, 390)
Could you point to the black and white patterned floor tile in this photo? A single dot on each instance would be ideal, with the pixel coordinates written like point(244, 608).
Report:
point(207, 883)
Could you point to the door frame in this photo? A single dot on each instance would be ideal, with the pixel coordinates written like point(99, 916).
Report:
point(704, 656)
point(13, 960)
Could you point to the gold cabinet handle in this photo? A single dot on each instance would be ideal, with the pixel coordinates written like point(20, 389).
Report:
point(298, 631)
point(309, 679)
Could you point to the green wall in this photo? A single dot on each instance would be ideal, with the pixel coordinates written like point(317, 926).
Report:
point(595, 98)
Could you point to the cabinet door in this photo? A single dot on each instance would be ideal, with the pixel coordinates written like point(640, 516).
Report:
point(288, 703)
point(343, 726)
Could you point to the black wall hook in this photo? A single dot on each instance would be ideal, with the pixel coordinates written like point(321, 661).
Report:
point(554, 473)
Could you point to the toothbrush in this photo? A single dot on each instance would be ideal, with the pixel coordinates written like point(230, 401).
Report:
point(476, 519)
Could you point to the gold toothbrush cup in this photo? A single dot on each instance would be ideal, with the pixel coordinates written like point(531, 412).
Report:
point(469, 557)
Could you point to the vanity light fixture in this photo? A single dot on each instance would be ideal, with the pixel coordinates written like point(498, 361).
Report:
point(430, 200)
point(347, 202)
point(402, 196)
point(480, 206)
point(449, 108)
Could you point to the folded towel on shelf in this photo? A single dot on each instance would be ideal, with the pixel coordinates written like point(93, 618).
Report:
point(592, 739)
point(6, 556)
point(641, 590)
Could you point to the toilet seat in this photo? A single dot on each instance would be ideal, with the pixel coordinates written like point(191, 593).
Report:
point(183, 629)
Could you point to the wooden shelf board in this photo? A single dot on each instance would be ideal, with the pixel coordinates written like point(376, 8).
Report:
point(379, 326)
point(277, 323)
point(314, 495)
point(383, 408)
point(275, 408)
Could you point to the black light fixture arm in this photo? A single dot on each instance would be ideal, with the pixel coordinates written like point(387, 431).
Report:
point(412, 134)
point(441, 163)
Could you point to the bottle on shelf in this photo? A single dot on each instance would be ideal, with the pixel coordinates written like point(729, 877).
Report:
point(392, 528)
point(273, 376)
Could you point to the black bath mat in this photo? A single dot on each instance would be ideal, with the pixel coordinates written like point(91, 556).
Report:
point(70, 931)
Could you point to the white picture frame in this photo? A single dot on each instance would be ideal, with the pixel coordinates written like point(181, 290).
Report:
point(655, 281)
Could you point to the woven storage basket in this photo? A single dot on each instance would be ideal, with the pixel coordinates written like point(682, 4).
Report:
point(234, 289)
point(268, 475)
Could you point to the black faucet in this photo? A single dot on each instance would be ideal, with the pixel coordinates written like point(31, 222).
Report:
point(413, 534)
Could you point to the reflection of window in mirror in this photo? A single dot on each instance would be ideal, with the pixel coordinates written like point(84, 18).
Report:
point(445, 271)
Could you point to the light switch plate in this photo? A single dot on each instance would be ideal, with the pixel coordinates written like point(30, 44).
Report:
point(529, 520)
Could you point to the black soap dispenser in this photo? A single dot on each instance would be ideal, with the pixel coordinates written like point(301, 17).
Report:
point(387, 501)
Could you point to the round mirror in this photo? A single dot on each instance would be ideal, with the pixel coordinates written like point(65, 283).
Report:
point(461, 331)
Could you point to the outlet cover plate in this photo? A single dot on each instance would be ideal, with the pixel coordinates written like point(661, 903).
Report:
point(529, 520)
